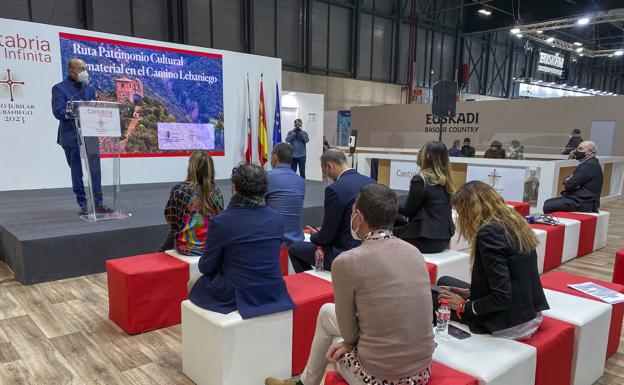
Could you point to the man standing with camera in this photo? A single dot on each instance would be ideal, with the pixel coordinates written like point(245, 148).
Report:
point(298, 138)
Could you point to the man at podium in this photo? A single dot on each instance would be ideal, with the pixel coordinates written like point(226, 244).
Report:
point(76, 88)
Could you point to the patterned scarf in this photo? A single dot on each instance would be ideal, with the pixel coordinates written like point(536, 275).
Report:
point(243, 201)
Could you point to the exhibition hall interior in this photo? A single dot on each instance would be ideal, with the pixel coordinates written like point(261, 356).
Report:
point(312, 192)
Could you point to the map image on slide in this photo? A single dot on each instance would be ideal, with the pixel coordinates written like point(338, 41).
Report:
point(177, 88)
point(185, 136)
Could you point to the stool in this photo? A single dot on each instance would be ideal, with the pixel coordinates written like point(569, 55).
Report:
point(554, 341)
point(591, 332)
point(522, 208)
point(450, 263)
point(542, 236)
point(191, 260)
point(554, 244)
point(432, 269)
point(587, 236)
point(602, 228)
point(308, 293)
point(145, 291)
point(493, 361)
point(572, 232)
point(458, 242)
point(618, 268)
point(440, 375)
point(559, 281)
point(224, 349)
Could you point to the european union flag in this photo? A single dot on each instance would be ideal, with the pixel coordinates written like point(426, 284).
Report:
point(277, 124)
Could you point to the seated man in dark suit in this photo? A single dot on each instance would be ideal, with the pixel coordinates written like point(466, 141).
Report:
point(335, 234)
point(240, 266)
point(581, 190)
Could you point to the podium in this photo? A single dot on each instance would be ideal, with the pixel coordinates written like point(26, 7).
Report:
point(98, 125)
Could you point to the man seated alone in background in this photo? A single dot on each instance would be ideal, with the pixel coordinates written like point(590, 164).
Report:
point(581, 190)
point(286, 192)
point(335, 234)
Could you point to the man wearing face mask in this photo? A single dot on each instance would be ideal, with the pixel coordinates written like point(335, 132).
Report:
point(76, 88)
point(581, 190)
point(335, 235)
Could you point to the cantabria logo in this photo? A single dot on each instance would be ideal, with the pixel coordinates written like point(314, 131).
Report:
point(25, 48)
point(10, 83)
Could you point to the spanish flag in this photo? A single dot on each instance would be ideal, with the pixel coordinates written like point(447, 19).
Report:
point(263, 142)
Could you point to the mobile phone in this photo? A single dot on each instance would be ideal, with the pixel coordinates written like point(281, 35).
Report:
point(436, 289)
point(457, 332)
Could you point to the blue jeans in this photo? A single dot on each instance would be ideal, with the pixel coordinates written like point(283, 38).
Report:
point(72, 154)
point(301, 163)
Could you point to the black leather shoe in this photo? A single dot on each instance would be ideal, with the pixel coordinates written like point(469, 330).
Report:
point(83, 211)
point(102, 209)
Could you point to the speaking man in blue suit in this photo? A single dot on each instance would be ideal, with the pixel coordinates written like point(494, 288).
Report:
point(76, 88)
point(335, 235)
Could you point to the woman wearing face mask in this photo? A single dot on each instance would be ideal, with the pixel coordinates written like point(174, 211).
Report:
point(387, 337)
point(495, 151)
point(428, 206)
point(516, 151)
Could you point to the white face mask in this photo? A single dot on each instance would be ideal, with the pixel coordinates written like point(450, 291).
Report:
point(354, 232)
point(83, 77)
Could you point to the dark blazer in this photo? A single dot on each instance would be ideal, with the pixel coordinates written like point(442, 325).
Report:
point(62, 93)
point(335, 234)
point(429, 211)
point(505, 288)
point(240, 266)
point(495, 154)
point(585, 185)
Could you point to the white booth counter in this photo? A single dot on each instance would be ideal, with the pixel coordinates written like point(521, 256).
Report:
point(533, 180)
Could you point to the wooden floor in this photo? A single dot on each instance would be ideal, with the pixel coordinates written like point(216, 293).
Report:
point(59, 332)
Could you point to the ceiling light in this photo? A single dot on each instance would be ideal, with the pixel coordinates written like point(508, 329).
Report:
point(580, 49)
point(611, 55)
point(539, 31)
point(515, 31)
point(618, 53)
point(550, 39)
point(557, 54)
point(583, 21)
point(539, 81)
point(576, 43)
point(485, 12)
point(518, 35)
point(581, 54)
point(564, 85)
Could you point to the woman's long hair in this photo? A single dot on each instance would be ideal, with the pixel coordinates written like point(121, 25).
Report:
point(433, 160)
point(201, 174)
point(478, 204)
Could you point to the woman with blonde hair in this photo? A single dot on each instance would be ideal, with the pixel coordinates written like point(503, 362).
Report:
point(191, 204)
point(428, 205)
point(505, 297)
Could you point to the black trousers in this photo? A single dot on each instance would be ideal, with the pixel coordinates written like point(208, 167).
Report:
point(567, 204)
point(301, 256)
point(72, 154)
point(299, 162)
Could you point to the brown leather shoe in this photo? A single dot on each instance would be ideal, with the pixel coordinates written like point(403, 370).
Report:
point(275, 381)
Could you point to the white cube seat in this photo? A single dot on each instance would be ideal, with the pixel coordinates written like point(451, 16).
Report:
point(494, 361)
point(451, 263)
point(591, 320)
point(571, 238)
point(224, 349)
point(540, 249)
point(602, 228)
point(192, 260)
point(458, 242)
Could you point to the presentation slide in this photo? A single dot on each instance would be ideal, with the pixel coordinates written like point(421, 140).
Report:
point(172, 99)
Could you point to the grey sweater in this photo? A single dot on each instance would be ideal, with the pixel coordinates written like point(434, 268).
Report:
point(383, 306)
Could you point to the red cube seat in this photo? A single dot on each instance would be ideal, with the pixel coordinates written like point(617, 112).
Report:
point(440, 375)
point(588, 230)
point(284, 260)
point(145, 291)
point(559, 281)
point(555, 236)
point(554, 341)
point(522, 208)
point(309, 293)
point(433, 272)
point(618, 268)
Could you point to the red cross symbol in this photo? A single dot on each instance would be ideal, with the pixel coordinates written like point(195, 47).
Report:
point(10, 83)
point(494, 177)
